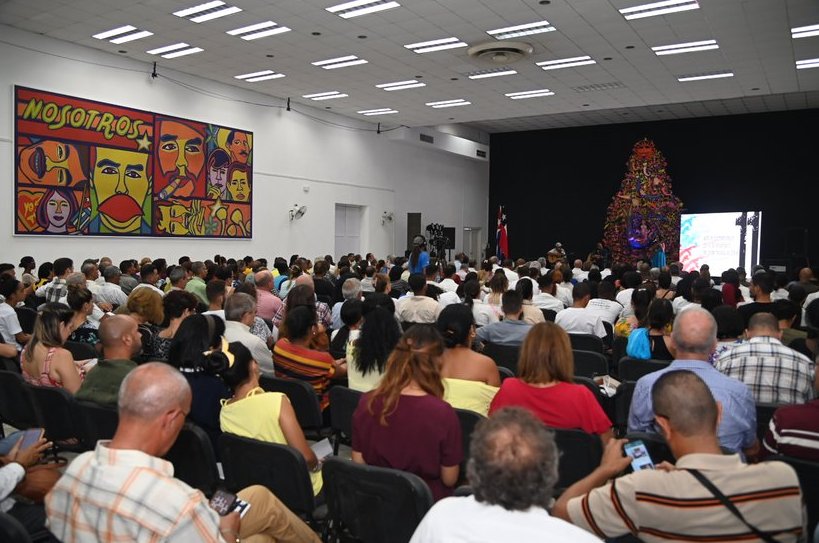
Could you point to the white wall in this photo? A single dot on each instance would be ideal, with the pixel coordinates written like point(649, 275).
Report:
point(291, 153)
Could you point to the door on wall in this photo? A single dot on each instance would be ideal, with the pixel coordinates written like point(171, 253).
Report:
point(348, 229)
point(472, 243)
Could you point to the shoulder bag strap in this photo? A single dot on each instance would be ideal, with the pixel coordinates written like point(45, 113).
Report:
point(730, 505)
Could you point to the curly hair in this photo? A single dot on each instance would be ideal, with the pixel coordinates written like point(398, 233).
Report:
point(513, 460)
point(147, 303)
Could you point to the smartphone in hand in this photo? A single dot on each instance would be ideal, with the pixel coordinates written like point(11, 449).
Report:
point(224, 502)
point(30, 437)
point(639, 453)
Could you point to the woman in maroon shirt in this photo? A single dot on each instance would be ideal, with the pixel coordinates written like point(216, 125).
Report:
point(544, 385)
point(404, 423)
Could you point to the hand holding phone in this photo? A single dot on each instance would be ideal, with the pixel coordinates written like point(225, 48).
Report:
point(224, 503)
point(638, 452)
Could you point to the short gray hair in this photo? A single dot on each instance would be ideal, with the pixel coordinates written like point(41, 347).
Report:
point(237, 305)
point(177, 274)
point(75, 278)
point(110, 272)
point(87, 268)
point(351, 288)
point(695, 331)
point(150, 390)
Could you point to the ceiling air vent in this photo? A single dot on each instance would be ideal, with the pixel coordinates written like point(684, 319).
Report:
point(500, 52)
point(599, 87)
point(426, 139)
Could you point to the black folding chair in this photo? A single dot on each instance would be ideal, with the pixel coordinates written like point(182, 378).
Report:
point(586, 342)
point(280, 468)
point(55, 407)
point(505, 373)
point(503, 355)
point(618, 351)
point(371, 504)
point(631, 369)
point(622, 404)
point(590, 364)
point(469, 420)
point(304, 400)
point(193, 459)
point(549, 314)
point(26, 316)
point(580, 454)
point(764, 414)
point(81, 351)
point(606, 403)
point(12, 531)
point(95, 422)
point(808, 473)
point(17, 406)
point(343, 403)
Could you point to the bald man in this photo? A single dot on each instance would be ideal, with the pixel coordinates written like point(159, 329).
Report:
point(121, 342)
point(267, 303)
point(775, 373)
point(681, 502)
point(695, 337)
point(125, 491)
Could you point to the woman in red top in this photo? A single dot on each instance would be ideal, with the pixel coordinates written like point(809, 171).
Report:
point(545, 387)
point(45, 362)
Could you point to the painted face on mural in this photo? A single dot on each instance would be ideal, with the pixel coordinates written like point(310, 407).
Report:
point(239, 146)
point(218, 163)
point(121, 184)
point(181, 155)
point(55, 210)
point(51, 162)
point(238, 187)
point(173, 219)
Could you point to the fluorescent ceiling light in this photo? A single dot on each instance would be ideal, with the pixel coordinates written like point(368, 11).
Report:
point(381, 111)
point(198, 9)
point(334, 60)
point(435, 45)
point(808, 63)
point(700, 77)
point(344, 64)
point(401, 85)
point(340, 62)
point(167, 48)
point(266, 33)
point(254, 74)
point(183, 52)
point(132, 37)
point(319, 94)
point(264, 78)
point(361, 7)
point(448, 103)
point(798, 32)
point(529, 94)
point(521, 30)
point(689, 47)
point(259, 30)
point(251, 28)
point(216, 14)
point(330, 96)
point(566, 62)
point(659, 8)
point(484, 75)
point(114, 32)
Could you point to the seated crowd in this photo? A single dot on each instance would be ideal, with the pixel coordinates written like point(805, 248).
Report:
point(422, 342)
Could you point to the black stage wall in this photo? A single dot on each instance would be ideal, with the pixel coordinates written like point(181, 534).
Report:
point(557, 184)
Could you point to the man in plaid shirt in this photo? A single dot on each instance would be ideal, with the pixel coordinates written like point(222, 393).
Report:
point(775, 373)
point(56, 289)
point(125, 491)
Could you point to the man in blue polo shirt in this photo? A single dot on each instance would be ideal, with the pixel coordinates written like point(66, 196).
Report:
point(511, 330)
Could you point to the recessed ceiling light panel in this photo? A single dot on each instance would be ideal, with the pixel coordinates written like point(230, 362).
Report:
point(339, 62)
point(700, 77)
point(689, 47)
point(356, 8)
point(494, 72)
point(401, 85)
point(529, 94)
point(123, 34)
point(808, 63)
point(435, 45)
point(183, 52)
point(259, 30)
point(566, 62)
point(521, 30)
point(114, 32)
point(448, 103)
point(168, 48)
point(658, 8)
point(207, 11)
point(802, 31)
point(380, 111)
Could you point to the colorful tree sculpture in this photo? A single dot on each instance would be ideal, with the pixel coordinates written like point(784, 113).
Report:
point(643, 219)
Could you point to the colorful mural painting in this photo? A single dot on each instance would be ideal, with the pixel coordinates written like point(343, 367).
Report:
point(95, 169)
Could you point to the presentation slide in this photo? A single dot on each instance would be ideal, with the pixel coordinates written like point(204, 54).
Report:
point(721, 240)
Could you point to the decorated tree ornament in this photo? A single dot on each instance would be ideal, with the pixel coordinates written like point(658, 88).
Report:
point(643, 219)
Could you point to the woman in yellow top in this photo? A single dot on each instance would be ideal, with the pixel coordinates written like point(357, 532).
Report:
point(470, 379)
point(260, 415)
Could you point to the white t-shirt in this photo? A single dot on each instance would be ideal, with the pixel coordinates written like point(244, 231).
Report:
point(544, 300)
point(462, 520)
point(511, 275)
point(9, 325)
point(624, 298)
point(483, 313)
point(448, 285)
point(576, 320)
point(608, 310)
point(564, 294)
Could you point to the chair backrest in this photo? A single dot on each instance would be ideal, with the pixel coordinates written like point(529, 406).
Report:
point(56, 409)
point(95, 422)
point(17, 407)
point(406, 325)
point(586, 342)
point(808, 473)
point(503, 355)
point(657, 447)
point(590, 364)
point(12, 530)
point(609, 333)
point(549, 314)
point(468, 419)
point(580, 454)
point(622, 404)
point(301, 395)
point(764, 413)
point(193, 459)
point(631, 369)
point(81, 351)
point(343, 403)
point(26, 316)
point(618, 350)
point(280, 468)
point(505, 373)
point(372, 504)
point(604, 401)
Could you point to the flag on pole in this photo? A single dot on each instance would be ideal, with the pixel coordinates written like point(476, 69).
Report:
point(501, 239)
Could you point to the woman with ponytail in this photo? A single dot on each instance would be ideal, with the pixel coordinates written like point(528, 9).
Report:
point(482, 313)
point(44, 361)
point(471, 379)
point(419, 257)
point(404, 423)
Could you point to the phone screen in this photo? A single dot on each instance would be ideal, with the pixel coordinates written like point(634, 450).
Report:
point(30, 437)
point(639, 453)
point(223, 502)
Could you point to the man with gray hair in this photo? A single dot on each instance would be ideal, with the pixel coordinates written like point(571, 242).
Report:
point(775, 373)
point(350, 290)
point(512, 470)
point(240, 313)
point(125, 491)
point(110, 291)
point(178, 277)
point(695, 338)
point(267, 303)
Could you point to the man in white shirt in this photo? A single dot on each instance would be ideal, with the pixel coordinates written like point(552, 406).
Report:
point(448, 284)
point(418, 307)
point(149, 276)
point(240, 312)
point(546, 299)
point(577, 319)
point(110, 291)
point(629, 281)
point(509, 270)
point(605, 305)
point(577, 271)
point(91, 272)
point(512, 470)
